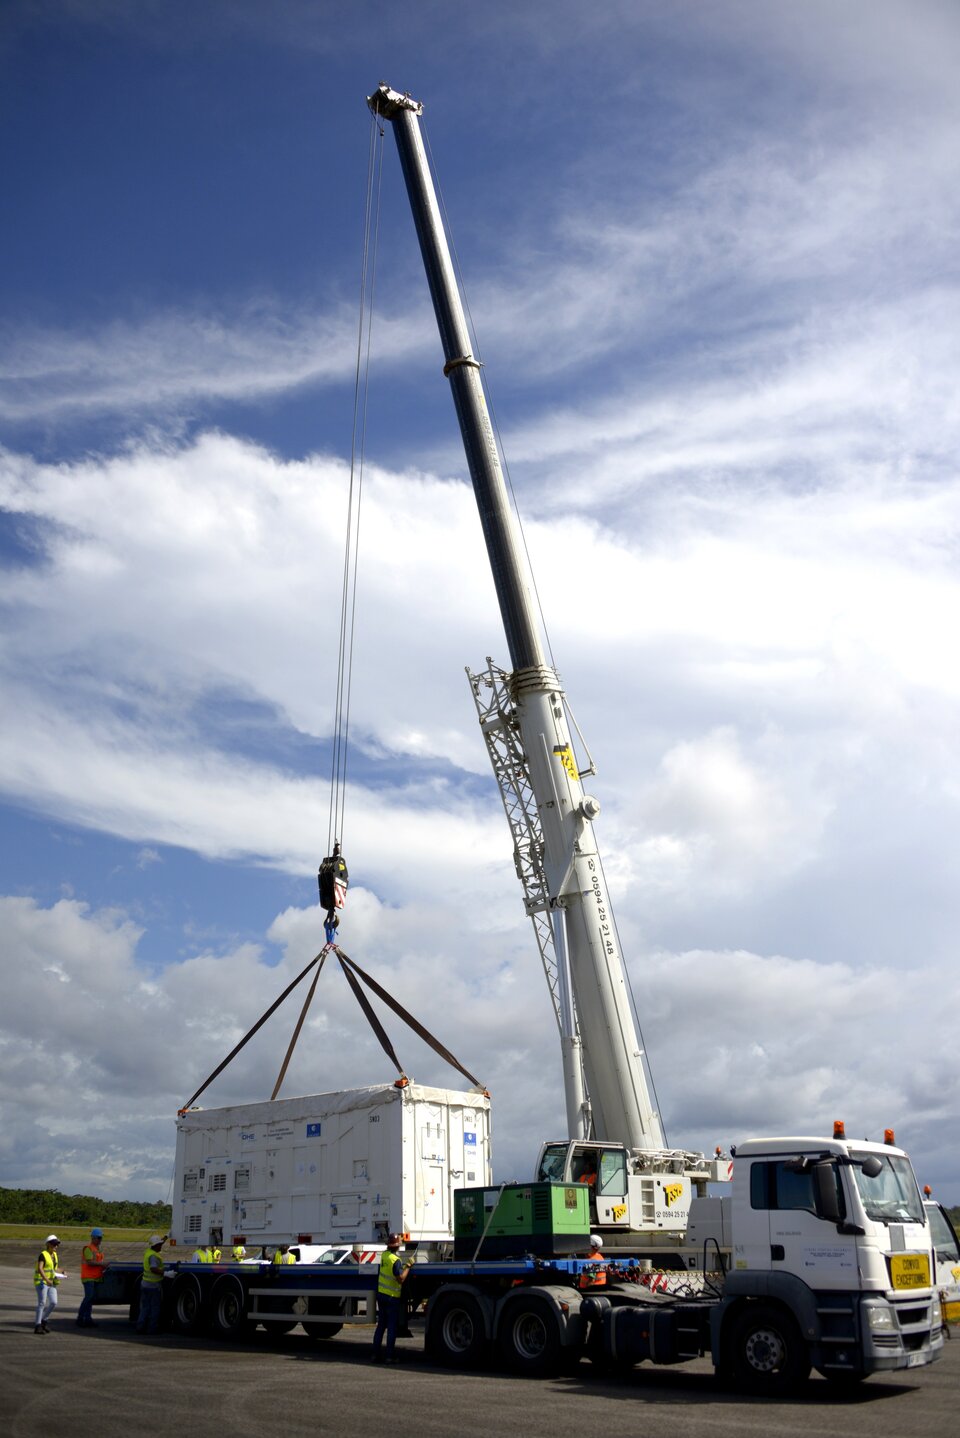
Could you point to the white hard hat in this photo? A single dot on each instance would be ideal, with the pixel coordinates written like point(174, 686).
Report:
point(51, 1238)
point(596, 1241)
point(155, 1239)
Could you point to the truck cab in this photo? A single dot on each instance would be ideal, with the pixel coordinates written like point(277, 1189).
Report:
point(946, 1248)
point(838, 1233)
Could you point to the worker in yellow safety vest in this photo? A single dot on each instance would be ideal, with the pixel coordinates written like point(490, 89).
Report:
point(46, 1277)
point(215, 1255)
point(92, 1264)
point(283, 1254)
point(151, 1287)
point(390, 1278)
point(203, 1255)
point(239, 1252)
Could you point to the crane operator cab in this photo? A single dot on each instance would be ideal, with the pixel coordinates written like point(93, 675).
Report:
point(601, 1166)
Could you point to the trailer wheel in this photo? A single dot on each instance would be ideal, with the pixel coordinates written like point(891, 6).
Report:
point(277, 1327)
point(769, 1356)
point(229, 1309)
point(322, 1331)
point(188, 1306)
point(456, 1336)
point(528, 1340)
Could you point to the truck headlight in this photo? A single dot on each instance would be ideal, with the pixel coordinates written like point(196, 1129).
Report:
point(936, 1312)
point(879, 1319)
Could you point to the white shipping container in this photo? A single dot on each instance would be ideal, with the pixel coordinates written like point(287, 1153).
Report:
point(339, 1167)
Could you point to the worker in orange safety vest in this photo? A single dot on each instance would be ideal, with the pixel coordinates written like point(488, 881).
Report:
point(92, 1264)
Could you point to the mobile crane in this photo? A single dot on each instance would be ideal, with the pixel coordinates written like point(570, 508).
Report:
point(790, 1299)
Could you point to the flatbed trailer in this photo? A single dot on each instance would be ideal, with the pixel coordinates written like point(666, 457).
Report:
point(528, 1313)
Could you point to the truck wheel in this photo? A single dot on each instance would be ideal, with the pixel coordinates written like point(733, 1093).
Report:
point(277, 1327)
point(769, 1356)
point(229, 1309)
point(528, 1340)
point(455, 1332)
point(188, 1306)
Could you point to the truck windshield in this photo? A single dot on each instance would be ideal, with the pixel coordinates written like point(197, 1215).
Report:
point(893, 1196)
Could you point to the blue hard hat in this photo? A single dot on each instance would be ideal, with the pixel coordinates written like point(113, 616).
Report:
point(96, 1233)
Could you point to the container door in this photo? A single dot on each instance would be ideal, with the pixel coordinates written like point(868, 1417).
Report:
point(435, 1210)
point(305, 1169)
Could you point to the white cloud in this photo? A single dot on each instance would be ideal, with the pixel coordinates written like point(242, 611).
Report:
point(128, 1046)
point(796, 1047)
point(170, 363)
point(775, 646)
point(802, 1043)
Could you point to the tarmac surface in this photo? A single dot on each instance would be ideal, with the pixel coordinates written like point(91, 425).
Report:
point(109, 1382)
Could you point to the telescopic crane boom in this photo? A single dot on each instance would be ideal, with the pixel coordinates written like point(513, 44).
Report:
point(524, 719)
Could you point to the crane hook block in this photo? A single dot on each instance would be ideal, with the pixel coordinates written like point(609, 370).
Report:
point(333, 880)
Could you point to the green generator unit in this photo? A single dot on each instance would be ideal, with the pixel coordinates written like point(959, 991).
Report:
point(547, 1220)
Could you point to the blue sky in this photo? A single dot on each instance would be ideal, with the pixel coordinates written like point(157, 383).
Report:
point(711, 253)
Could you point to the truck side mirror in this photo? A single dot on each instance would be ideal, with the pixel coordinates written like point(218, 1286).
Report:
point(872, 1166)
point(825, 1190)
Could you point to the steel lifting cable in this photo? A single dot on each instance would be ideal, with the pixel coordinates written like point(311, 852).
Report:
point(351, 548)
point(341, 726)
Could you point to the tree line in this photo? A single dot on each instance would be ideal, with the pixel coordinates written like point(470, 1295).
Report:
point(49, 1205)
